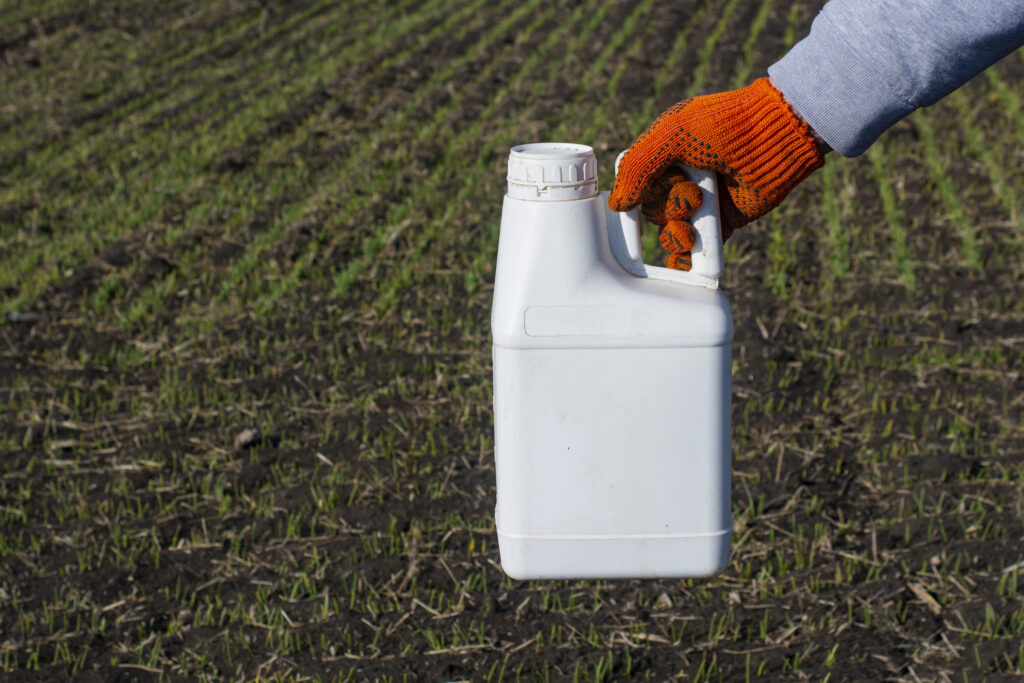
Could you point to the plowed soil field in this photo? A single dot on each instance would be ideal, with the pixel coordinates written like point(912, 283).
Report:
point(246, 263)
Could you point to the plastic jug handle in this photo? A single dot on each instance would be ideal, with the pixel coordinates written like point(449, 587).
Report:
point(624, 235)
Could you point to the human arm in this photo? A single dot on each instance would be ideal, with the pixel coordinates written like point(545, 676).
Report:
point(865, 65)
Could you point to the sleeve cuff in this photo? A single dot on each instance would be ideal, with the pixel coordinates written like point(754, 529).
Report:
point(835, 92)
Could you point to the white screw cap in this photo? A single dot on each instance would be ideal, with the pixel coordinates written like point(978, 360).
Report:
point(552, 171)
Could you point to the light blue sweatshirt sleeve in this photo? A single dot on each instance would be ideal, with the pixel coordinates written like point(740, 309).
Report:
point(868, 63)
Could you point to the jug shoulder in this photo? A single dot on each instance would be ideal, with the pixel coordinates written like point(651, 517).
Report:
point(558, 285)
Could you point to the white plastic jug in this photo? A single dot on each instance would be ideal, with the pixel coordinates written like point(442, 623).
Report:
point(611, 384)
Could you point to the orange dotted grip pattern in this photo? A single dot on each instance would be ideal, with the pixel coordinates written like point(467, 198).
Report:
point(750, 137)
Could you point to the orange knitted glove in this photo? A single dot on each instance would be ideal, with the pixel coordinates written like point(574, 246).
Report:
point(751, 137)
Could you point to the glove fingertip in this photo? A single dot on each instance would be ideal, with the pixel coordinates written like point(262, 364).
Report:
point(681, 261)
point(686, 197)
point(618, 203)
point(677, 237)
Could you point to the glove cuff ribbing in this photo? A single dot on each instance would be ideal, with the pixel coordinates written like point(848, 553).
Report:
point(765, 145)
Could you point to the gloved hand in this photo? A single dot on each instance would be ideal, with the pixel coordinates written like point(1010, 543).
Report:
point(751, 137)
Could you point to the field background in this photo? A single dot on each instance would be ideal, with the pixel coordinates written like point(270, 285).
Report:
point(218, 217)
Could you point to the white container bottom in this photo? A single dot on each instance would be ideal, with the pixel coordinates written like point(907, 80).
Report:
point(614, 557)
point(605, 469)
